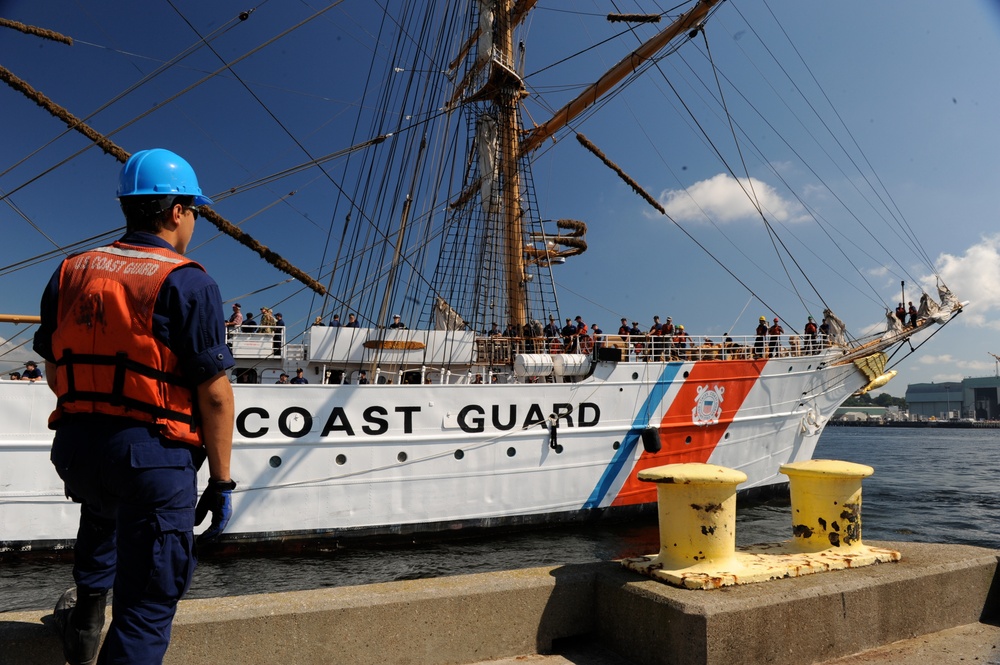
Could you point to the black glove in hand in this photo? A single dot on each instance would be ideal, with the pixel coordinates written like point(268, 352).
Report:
point(218, 500)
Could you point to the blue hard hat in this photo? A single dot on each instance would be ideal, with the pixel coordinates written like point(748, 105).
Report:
point(159, 172)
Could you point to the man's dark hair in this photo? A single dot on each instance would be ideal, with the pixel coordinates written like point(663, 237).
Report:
point(150, 213)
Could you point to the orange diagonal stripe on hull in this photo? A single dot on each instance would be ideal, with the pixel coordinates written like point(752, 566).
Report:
point(681, 439)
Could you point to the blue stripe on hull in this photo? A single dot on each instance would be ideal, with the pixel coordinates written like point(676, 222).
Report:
point(628, 444)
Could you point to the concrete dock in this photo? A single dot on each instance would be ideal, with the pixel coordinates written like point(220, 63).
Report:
point(936, 605)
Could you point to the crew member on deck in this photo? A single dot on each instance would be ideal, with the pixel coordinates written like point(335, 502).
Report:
point(31, 372)
point(140, 406)
point(552, 328)
point(568, 334)
point(824, 333)
point(236, 318)
point(681, 342)
point(811, 332)
point(635, 333)
point(774, 333)
point(758, 342)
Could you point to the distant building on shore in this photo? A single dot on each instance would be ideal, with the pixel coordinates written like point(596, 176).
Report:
point(866, 413)
point(976, 398)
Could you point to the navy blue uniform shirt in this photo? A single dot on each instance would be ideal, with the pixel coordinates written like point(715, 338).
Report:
point(187, 317)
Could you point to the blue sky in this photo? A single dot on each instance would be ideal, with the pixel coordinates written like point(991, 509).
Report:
point(913, 82)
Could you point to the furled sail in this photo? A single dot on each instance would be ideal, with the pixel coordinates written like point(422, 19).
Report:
point(893, 325)
point(484, 45)
point(838, 331)
point(446, 318)
point(949, 303)
point(486, 146)
point(929, 309)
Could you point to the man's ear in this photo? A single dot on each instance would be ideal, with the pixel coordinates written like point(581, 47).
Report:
point(174, 218)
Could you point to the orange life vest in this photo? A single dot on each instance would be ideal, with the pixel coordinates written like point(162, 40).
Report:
point(106, 299)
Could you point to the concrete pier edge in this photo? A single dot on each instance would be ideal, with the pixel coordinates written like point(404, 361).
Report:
point(473, 618)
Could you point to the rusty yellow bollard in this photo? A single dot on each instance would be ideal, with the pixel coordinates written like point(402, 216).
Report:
point(826, 504)
point(697, 514)
point(697, 509)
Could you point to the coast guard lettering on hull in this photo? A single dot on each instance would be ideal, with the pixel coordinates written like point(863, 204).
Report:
point(295, 421)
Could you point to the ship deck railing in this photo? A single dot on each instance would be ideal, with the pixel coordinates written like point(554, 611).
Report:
point(498, 350)
point(496, 354)
point(256, 342)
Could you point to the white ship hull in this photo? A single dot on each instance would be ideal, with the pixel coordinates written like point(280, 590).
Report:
point(375, 460)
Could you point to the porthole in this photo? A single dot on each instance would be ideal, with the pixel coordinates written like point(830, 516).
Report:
point(275, 462)
point(341, 460)
point(459, 454)
point(687, 440)
point(726, 436)
point(790, 369)
point(616, 445)
point(401, 457)
point(635, 376)
point(511, 452)
point(687, 374)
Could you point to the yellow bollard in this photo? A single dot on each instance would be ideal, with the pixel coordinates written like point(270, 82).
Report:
point(697, 513)
point(826, 504)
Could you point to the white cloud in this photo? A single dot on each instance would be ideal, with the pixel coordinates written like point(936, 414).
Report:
point(974, 276)
point(955, 363)
point(943, 378)
point(726, 199)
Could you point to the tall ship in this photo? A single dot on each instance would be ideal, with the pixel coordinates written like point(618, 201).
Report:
point(456, 392)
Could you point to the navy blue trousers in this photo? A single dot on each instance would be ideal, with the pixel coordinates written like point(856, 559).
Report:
point(137, 493)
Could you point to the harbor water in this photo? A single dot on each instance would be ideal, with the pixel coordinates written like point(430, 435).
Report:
point(930, 485)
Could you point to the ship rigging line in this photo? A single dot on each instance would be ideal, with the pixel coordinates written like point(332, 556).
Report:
point(936, 330)
point(901, 222)
point(907, 237)
point(877, 298)
point(752, 195)
point(250, 91)
point(771, 232)
point(132, 88)
point(65, 250)
point(585, 142)
point(106, 143)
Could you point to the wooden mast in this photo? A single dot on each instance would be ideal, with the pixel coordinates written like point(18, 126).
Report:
point(507, 90)
point(624, 68)
point(510, 89)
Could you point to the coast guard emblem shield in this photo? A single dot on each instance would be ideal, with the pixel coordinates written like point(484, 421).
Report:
point(708, 405)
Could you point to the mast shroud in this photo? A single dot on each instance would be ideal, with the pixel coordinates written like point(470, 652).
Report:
point(613, 76)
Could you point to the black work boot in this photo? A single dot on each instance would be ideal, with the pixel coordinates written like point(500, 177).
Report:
point(80, 622)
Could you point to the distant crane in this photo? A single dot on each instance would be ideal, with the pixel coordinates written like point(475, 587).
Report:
point(996, 365)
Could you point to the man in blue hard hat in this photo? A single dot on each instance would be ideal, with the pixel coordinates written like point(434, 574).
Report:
point(134, 341)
